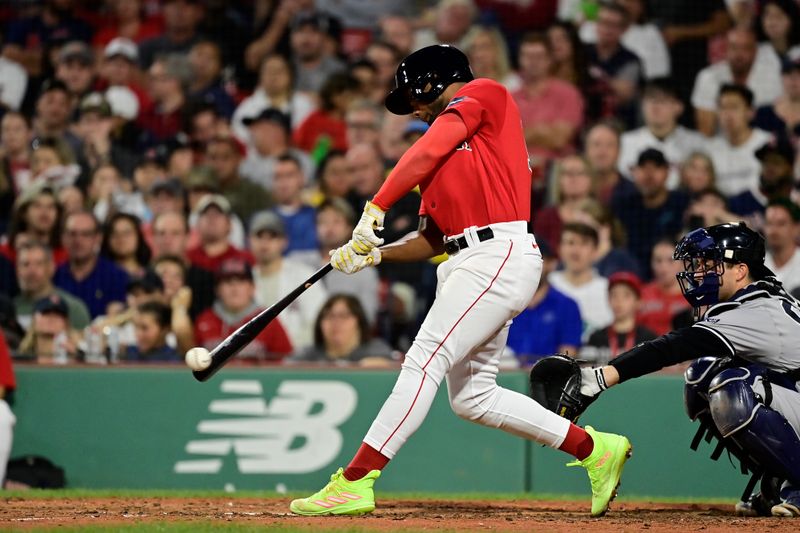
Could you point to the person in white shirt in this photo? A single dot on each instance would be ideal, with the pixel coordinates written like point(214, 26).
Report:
point(13, 81)
point(275, 276)
point(740, 67)
point(661, 108)
point(275, 90)
point(579, 280)
point(733, 150)
point(782, 230)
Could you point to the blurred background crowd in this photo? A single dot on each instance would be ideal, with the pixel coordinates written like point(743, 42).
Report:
point(168, 168)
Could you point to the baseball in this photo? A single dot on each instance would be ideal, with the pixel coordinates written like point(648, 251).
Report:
point(198, 358)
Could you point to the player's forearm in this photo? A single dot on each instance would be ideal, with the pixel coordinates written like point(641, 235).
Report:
point(413, 247)
point(447, 132)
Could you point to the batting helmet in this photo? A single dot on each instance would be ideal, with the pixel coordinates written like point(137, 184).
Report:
point(425, 74)
point(704, 252)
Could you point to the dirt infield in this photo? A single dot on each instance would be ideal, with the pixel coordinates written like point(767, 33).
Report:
point(391, 515)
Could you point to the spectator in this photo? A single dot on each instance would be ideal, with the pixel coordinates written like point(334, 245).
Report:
point(170, 239)
point(653, 211)
point(707, 208)
point(213, 227)
point(35, 269)
point(298, 217)
point(50, 340)
point(120, 68)
point(95, 129)
point(224, 157)
point(235, 305)
point(202, 122)
point(275, 90)
point(550, 324)
point(152, 321)
point(325, 128)
point(687, 26)
point(579, 280)
point(276, 276)
point(92, 278)
point(29, 40)
point(385, 58)
point(36, 217)
point(334, 180)
point(612, 62)
point(370, 87)
point(551, 109)
point(612, 254)
point(205, 60)
point(270, 134)
point(76, 67)
point(778, 31)
point(662, 299)
point(733, 150)
point(398, 31)
point(624, 298)
point(129, 22)
point(782, 117)
point(272, 23)
point(53, 109)
point(775, 182)
point(335, 222)
point(697, 173)
point(51, 162)
point(452, 24)
point(489, 58)
point(570, 65)
point(313, 65)
point(574, 183)
point(364, 121)
point(7, 418)
point(740, 68)
point(72, 199)
point(169, 77)
point(601, 148)
point(342, 337)
point(661, 108)
point(782, 231)
point(163, 196)
point(201, 182)
point(181, 20)
point(123, 242)
point(13, 84)
point(15, 145)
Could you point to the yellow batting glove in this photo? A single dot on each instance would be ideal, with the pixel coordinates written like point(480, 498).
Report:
point(364, 237)
point(345, 259)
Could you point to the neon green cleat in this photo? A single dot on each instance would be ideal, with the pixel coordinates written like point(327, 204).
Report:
point(340, 496)
point(604, 466)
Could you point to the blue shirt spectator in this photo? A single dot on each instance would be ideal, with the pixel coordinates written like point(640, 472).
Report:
point(301, 228)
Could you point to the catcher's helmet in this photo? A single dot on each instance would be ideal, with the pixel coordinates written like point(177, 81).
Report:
point(704, 253)
point(425, 74)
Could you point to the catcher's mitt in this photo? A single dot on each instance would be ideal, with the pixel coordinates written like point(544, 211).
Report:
point(556, 384)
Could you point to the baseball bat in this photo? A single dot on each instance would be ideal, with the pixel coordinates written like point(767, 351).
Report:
point(237, 340)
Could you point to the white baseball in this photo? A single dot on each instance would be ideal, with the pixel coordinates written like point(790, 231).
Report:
point(198, 358)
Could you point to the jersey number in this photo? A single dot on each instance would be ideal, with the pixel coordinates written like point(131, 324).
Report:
point(791, 310)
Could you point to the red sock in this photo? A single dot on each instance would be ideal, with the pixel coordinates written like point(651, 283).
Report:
point(577, 443)
point(366, 459)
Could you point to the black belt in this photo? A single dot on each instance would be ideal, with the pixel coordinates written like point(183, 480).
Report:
point(453, 246)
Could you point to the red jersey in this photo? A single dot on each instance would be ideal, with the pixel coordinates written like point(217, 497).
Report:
point(198, 257)
point(272, 344)
point(6, 371)
point(318, 124)
point(484, 178)
point(657, 308)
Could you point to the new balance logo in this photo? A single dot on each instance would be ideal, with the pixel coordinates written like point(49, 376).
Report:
point(296, 433)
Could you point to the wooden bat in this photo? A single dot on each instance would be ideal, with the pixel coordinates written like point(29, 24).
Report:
point(247, 332)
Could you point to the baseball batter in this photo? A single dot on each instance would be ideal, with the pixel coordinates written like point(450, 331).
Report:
point(472, 169)
point(747, 392)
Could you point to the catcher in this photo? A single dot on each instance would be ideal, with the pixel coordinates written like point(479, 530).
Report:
point(744, 390)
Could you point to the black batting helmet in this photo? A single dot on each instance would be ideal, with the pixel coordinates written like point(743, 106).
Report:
point(425, 74)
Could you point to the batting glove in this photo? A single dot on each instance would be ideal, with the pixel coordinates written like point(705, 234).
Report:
point(364, 237)
point(345, 259)
point(593, 382)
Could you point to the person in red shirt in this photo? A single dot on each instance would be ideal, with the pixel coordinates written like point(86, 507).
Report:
point(662, 298)
point(326, 127)
point(213, 229)
point(7, 420)
point(235, 305)
point(472, 169)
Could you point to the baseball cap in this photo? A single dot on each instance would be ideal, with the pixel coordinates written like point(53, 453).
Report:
point(628, 278)
point(779, 146)
point(149, 282)
point(124, 47)
point(76, 51)
point(270, 115)
point(95, 102)
point(171, 186)
point(202, 178)
point(415, 126)
point(52, 304)
point(233, 268)
point(790, 65)
point(52, 84)
point(652, 155)
point(123, 102)
point(213, 200)
point(267, 221)
point(321, 22)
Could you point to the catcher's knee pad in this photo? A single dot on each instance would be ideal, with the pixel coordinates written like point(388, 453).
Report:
point(695, 392)
point(741, 415)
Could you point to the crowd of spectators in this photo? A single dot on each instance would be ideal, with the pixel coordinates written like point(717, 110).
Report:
point(168, 168)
